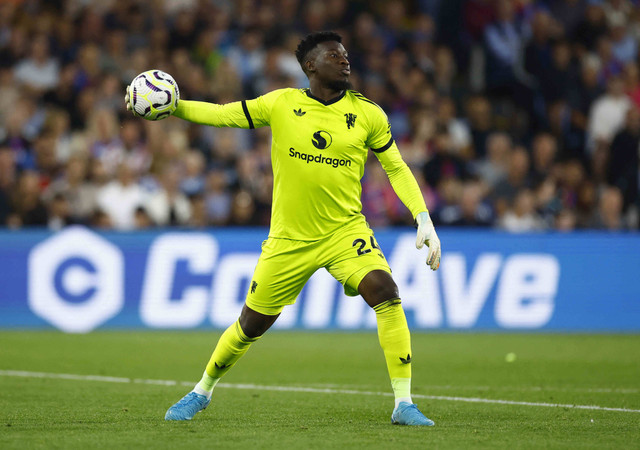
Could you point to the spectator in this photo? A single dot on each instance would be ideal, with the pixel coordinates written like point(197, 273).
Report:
point(27, 207)
point(470, 212)
point(544, 152)
point(623, 46)
point(141, 219)
point(624, 164)
point(632, 83)
point(8, 176)
point(217, 198)
point(193, 181)
point(40, 71)
point(565, 220)
point(168, 206)
point(548, 204)
point(571, 177)
point(609, 213)
point(457, 129)
point(243, 209)
point(9, 94)
point(248, 59)
point(568, 13)
point(517, 179)
point(74, 187)
point(592, 27)
point(537, 52)
point(608, 113)
point(63, 132)
point(521, 217)
point(610, 66)
point(503, 39)
point(493, 168)
point(586, 202)
point(586, 91)
point(120, 198)
point(59, 213)
point(558, 75)
point(445, 163)
point(480, 123)
point(198, 218)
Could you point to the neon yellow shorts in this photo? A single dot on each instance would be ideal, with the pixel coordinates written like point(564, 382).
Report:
point(285, 266)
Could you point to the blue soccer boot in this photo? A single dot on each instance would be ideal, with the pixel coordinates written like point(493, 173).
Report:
point(187, 407)
point(409, 414)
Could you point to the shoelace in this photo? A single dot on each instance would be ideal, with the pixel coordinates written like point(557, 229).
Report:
point(187, 399)
point(413, 409)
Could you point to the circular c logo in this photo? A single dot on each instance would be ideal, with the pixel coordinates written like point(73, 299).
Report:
point(321, 139)
point(76, 280)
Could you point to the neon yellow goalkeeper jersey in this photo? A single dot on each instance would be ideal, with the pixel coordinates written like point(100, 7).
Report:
point(318, 154)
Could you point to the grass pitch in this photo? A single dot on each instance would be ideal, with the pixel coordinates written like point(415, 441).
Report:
point(330, 391)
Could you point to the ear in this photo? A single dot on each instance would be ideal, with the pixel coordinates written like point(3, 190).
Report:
point(310, 65)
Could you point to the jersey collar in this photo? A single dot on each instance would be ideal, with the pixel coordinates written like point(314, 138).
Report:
point(330, 102)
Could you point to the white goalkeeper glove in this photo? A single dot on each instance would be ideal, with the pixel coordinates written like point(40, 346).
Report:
point(128, 102)
point(427, 235)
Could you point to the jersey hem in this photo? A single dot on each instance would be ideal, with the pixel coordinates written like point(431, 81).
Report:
point(357, 220)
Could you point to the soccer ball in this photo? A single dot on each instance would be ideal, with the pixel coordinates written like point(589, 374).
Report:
point(154, 95)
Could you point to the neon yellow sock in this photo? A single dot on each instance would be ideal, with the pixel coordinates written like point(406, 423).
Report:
point(395, 340)
point(232, 345)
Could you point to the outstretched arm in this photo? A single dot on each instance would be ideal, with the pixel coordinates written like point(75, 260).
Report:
point(406, 187)
point(235, 114)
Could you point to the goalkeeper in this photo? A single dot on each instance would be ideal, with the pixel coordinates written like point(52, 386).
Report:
point(321, 137)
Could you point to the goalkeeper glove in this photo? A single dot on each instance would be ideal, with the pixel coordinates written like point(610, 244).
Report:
point(427, 235)
point(127, 102)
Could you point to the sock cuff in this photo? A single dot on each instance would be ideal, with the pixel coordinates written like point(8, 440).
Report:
point(381, 307)
point(401, 388)
point(243, 337)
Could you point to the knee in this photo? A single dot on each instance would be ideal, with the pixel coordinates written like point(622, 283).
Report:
point(387, 291)
point(250, 329)
point(378, 287)
point(254, 324)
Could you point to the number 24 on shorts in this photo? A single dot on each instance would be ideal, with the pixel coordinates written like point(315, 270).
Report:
point(361, 244)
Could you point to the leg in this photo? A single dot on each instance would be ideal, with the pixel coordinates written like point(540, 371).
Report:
point(255, 324)
point(356, 260)
point(233, 343)
point(378, 286)
point(381, 293)
point(276, 282)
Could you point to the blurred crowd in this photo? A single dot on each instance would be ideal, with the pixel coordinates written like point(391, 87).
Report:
point(519, 115)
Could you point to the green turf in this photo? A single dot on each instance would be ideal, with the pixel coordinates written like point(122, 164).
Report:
point(565, 369)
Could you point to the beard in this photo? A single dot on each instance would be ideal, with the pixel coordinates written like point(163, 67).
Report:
point(339, 85)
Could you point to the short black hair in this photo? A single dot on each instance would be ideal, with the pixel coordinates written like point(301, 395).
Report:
point(311, 41)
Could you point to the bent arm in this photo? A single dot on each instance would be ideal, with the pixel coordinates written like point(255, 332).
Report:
point(233, 114)
point(402, 180)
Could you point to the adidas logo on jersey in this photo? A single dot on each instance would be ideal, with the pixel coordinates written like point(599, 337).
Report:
point(299, 112)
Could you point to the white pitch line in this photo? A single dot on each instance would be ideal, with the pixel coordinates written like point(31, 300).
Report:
point(520, 388)
point(258, 387)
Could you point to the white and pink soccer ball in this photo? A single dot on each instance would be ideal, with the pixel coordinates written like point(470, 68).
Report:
point(154, 95)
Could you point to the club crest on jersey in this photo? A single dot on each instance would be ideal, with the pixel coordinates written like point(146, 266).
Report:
point(321, 140)
point(299, 112)
point(351, 120)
